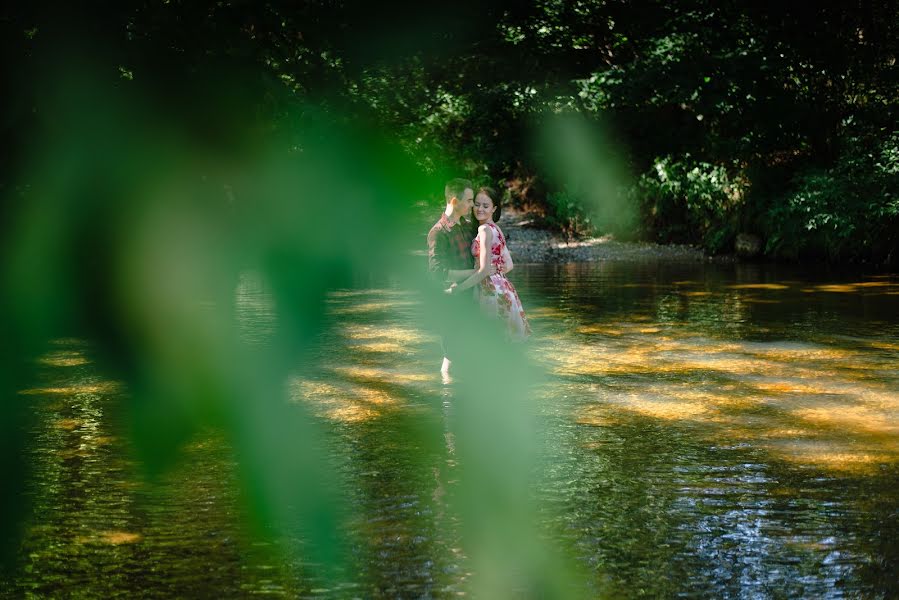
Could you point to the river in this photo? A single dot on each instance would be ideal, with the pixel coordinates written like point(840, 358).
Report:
point(705, 430)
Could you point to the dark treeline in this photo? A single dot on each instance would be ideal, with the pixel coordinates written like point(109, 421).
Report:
point(770, 118)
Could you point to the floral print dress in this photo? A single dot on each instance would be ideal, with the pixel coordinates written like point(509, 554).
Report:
point(496, 294)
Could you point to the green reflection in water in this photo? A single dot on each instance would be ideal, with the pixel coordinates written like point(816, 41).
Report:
point(717, 430)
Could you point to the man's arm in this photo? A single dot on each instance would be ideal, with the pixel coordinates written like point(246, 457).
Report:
point(437, 255)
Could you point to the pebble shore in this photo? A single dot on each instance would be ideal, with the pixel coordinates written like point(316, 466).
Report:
point(530, 244)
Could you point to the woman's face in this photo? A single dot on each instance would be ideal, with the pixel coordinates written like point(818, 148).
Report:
point(483, 208)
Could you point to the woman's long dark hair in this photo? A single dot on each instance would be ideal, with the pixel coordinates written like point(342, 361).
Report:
point(494, 197)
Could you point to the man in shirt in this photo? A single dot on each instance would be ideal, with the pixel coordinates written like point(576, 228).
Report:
point(449, 249)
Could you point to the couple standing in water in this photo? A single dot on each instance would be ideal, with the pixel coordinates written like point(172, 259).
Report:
point(467, 234)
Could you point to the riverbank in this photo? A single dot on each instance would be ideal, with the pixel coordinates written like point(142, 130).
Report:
point(530, 243)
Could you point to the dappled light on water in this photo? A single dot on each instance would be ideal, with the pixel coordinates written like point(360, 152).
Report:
point(840, 405)
point(113, 538)
point(86, 387)
point(369, 307)
point(383, 375)
point(819, 402)
point(681, 425)
point(395, 335)
point(860, 287)
point(379, 366)
point(346, 403)
point(63, 359)
point(809, 395)
point(758, 286)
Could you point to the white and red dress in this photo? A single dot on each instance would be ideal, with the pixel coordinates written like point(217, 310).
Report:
point(496, 294)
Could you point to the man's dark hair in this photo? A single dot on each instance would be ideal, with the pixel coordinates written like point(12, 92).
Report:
point(455, 188)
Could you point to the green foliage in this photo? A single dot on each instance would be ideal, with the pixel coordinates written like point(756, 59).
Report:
point(461, 86)
point(849, 211)
point(690, 201)
point(582, 162)
point(568, 213)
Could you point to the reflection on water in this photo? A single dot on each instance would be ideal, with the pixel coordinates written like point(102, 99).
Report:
point(721, 431)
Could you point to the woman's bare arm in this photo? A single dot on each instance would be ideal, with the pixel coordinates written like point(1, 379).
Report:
point(508, 265)
point(459, 274)
point(485, 237)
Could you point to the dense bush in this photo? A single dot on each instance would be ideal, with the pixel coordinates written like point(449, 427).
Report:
point(569, 213)
point(849, 211)
point(751, 104)
point(689, 201)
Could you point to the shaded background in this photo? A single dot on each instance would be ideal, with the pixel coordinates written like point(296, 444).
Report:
point(773, 119)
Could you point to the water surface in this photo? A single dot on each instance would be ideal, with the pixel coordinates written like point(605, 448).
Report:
point(706, 430)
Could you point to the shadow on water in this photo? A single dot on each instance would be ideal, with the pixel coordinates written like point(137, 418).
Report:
point(713, 430)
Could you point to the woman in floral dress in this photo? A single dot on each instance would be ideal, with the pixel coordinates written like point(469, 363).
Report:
point(495, 293)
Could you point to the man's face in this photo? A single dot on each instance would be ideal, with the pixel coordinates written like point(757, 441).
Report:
point(463, 206)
